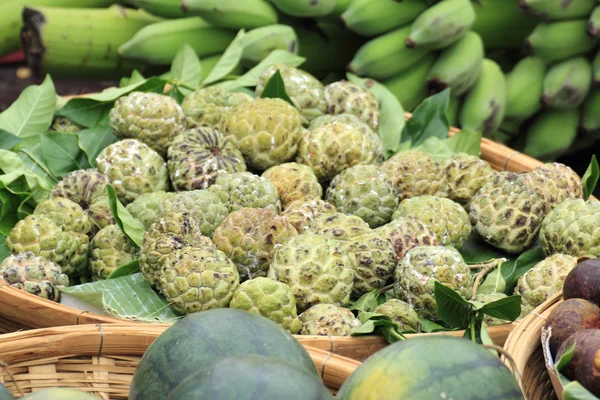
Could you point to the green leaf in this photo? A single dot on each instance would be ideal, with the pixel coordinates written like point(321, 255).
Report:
point(493, 283)
point(590, 178)
point(93, 140)
point(373, 323)
point(186, 67)
point(38, 186)
point(485, 336)
point(508, 308)
point(130, 268)
point(275, 89)
point(575, 391)
point(61, 153)
point(368, 301)
point(14, 197)
point(8, 140)
point(178, 93)
point(228, 61)
point(132, 227)
point(136, 77)
point(451, 307)
point(475, 251)
point(515, 268)
point(566, 357)
point(4, 251)
point(438, 148)
point(466, 141)
point(428, 120)
point(31, 114)
point(391, 120)
point(428, 326)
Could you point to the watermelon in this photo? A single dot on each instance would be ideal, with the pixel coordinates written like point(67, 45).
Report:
point(251, 377)
point(431, 367)
point(202, 338)
point(59, 394)
point(5, 394)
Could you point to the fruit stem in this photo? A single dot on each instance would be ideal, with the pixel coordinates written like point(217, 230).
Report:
point(385, 289)
point(485, 269)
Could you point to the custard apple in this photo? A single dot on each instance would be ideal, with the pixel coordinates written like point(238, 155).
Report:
point(553, 182)
point(110, 249)
point(328, 320)
point(489, 298)
point(266, 131)
point(344, 97)
point(448, 220)
point(332, 148)
point(404, 233)
point(301, 213)
point(465, 175)
point(340, 227)
point(33, 274)
point(544, 280)
point(415, 173)
point(66, 214)
point(294, 182)
point(421, 267)
point(316, 268)
point(205, 207)
point(305, 91)
point(506, 214)
point(244, 189)
point(364, 191)
point(211, 106)
point(133, 169)
point(198, 279)
point(401, 314)
point(572, 227)
point(269, 298)
point(152, 118)
point(65, 125)
point(198, 156)
point(348, 119)
point(146, 208)
point(250, 236)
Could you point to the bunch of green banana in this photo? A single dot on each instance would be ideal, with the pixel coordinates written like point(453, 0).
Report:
point(558, 9)
point(567, 83)
point(524, 88)
point(556, 41)
point(374, 17)
point(233, 14)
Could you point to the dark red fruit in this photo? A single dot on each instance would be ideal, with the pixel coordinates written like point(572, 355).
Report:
point(569, 317)
point(583, 282)
point(584, 367)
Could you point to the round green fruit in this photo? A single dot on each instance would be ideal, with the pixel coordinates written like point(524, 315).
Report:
point(59, 394)
point(5, 394)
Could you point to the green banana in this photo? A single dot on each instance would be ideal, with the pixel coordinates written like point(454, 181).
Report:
point(409, 87)
point(556, 41)
point(11, 10)
point(340, 7)
point(567, 83)
point(593, 26)
point(524, 88)
point(233, 14)
point(558, 9)
point(457, 66)
point(305, 8)
point(596, 69)
point(374, 17)
point(158, 43)
point(441, 25)
point(590, 112)
point(162, 8)
point(484, 105)
point(80, 41)
point(386, 55)
point(551, 133)
point(452, 111)
point(259, 42)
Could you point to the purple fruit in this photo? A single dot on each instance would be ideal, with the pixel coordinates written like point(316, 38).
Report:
point(583, 282)
point(569, 317)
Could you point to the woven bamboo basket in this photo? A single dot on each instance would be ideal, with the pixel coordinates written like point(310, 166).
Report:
point(101, 359)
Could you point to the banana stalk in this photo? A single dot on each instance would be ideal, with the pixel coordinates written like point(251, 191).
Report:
point(80, 41)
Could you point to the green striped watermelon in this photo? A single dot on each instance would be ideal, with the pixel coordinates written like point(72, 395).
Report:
point(436, 367)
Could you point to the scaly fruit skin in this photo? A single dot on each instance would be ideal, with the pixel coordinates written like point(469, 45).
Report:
point(293, 182)
point(441, 24)
point(33, 274)
point(489, 298)
point(447, 219)
point(415, 173)
point(348, 119)
point(269, 298)
point(405, 233)
point(374, 17)
point(110, 249)
point(146, 208)
point(205, 207)
point(250, 237)
point(66, 214)
point(305, 8)
point(567, 83)
point(317, 269)
point(332, 148)
point(364, 191)
point(260, 42)
point(593, 27)
point(266, 131)
point(133, 169)
point(524, 88)
point(409, 87)
point(401, 314)
point(558, 9)
point(553, 182)
point(386, 56)
point(457, 66)
point(305, 91)
point(65, 125)
point(341, 227)
point(556, 41)
point(551, 133)
point(328, 320)
point(506, 214)
point(244, 189)
point(198, 279)
point(172, 232)
point(416, 274)
point(545, 279)
point(344, 97)
point(210, 106)
point(572, 228)
point(484, 105)
point(301, 213)
point(233, 14)
point(465, 175)
point(152, 118)
point(198, 156)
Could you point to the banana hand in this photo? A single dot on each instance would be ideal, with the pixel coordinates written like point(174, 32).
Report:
point(556, 41)
point(567, 83)
point(524, 88)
